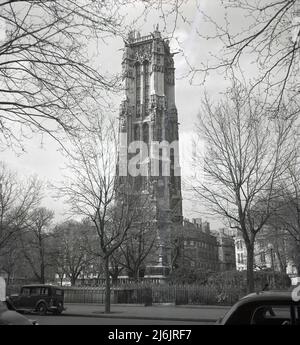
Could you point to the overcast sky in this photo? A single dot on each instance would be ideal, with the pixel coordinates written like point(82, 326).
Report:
point(42, 156)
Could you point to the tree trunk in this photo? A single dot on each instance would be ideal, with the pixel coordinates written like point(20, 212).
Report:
point(42, 258)
point(137, 274)
point(42, 273)
point(250, 263)
point(107, 285)
point(298, 270)
point(114, 276)
point(281, 260)
point(73, 280)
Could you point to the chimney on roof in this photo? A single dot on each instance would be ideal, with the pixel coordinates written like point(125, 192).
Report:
point(206, 227)
point(197, 222)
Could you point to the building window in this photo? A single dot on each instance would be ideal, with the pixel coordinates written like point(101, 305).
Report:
point(146, 133)
point(159, 128)
point(138, 89)
point(160, 163)
point(242, 258)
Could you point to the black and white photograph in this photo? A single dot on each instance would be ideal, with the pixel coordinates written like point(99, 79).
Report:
point(149, 169)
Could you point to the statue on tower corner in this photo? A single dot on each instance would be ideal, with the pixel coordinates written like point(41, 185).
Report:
point(157, 32)
point(131, 36)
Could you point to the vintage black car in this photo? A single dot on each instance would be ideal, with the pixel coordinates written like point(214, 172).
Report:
point(264, 308)
point(39, 298)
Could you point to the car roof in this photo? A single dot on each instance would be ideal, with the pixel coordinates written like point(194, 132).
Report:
point(42, 285)
point(269, 296)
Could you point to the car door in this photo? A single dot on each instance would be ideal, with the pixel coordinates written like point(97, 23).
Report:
point(274, 313)
point(35, 296)
point(23, 301)
point(297, 314)
point(59, 294)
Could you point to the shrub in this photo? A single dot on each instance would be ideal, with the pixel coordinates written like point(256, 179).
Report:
point(238, 280)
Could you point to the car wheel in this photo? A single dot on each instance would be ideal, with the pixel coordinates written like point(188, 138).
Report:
point(42, 309)
point(59, 309)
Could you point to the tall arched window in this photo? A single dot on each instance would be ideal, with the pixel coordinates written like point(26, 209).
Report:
point(146, 133)
point(159, 130)
point(136, 132)
point(138, 89)
point(146, 87)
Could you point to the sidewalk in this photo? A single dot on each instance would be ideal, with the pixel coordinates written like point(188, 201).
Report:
point(157, 312)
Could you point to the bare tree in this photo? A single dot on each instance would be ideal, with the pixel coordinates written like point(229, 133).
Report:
point(263, 35)
point(17, 199)
point(59, 264)
point(93, 191)
point(287, 217)
point(116, 267)
point(35, 242)
point(48, 78)
point(11, 261)
point(72, 257)
point(140, 245)
point(279, 240)
point(246, 155)
point(48, 81)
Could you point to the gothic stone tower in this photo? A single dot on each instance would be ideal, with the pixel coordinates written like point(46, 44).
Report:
point(148, 113)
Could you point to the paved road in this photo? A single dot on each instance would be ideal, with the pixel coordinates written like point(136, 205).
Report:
point(155, 312)
point(93, 314)
point(78, 320)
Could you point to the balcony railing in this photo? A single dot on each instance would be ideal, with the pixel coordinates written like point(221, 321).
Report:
point(142, 38)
